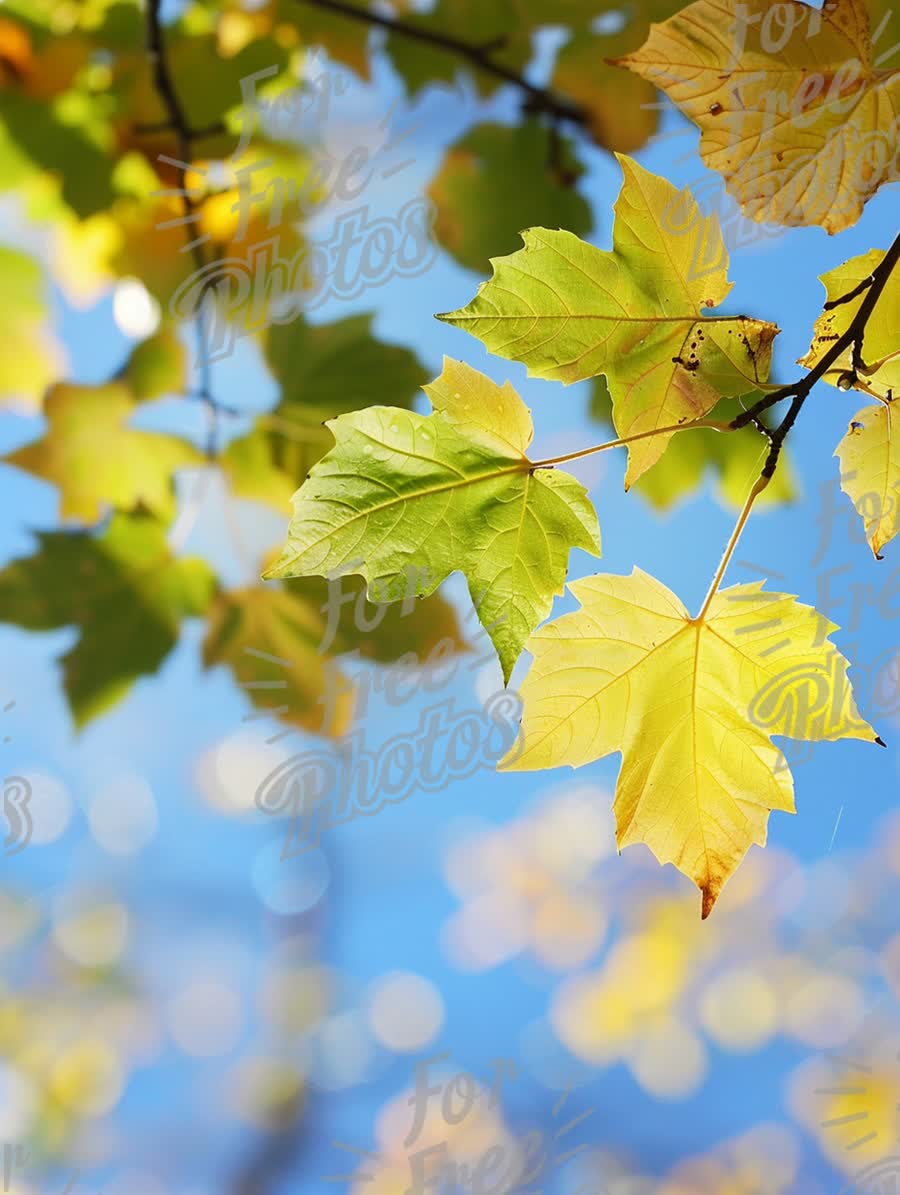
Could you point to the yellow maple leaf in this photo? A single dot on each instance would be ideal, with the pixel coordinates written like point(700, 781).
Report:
point(881, 354)
point(870, 470)
point(96, 459)
point(692, 705)
point(243, 620)
point(794, 111)
point(570, 311)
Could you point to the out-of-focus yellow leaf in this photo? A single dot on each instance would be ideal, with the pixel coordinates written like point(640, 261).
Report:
point(96, 460)
point(30, 359)
point(269, 620)
point(232, 228)
point(851, 1105)
point(622, 113)
point(283, 636)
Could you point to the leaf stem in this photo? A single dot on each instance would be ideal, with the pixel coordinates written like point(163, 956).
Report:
point(758, 486)
point(715, 424)
point(852, 338)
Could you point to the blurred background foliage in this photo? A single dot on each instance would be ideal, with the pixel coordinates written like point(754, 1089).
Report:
point(172, 1019)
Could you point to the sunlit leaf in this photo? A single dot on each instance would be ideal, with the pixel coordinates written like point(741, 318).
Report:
point(881, 353)
point(793, 113)
point(870, 470)
point(692, 705)
point(570, 311)
point(405, 499)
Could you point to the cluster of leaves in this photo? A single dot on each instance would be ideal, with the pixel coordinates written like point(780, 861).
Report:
point(90, 146)
point(691, 702)
point(120, 154)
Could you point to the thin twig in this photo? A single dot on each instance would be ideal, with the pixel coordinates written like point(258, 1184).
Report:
point(799, 392)
point(713, 424)
point(540, 99)
point(852, 338)
point(851, 294)
point(217, 128)
point(179, 124)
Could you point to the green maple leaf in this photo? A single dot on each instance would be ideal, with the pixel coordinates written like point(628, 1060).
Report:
point(157, 366)
point(496, 180)
point(322, 371)
point(405, 499)
point(123, 590)
point(570, 311)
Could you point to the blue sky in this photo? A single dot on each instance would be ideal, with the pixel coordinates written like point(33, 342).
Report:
point(209, 893)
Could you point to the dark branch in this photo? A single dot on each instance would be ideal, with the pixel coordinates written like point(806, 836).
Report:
point(539, 99)
point(166, 126)
point(852, 338)
point(779, 435)
point(166, 88)
point(185, 136)
point(851, 294)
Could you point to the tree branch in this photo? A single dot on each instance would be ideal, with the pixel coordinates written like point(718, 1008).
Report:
point(166, 126)
point(539, 99)
point(185, 137)
point(852, 338)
